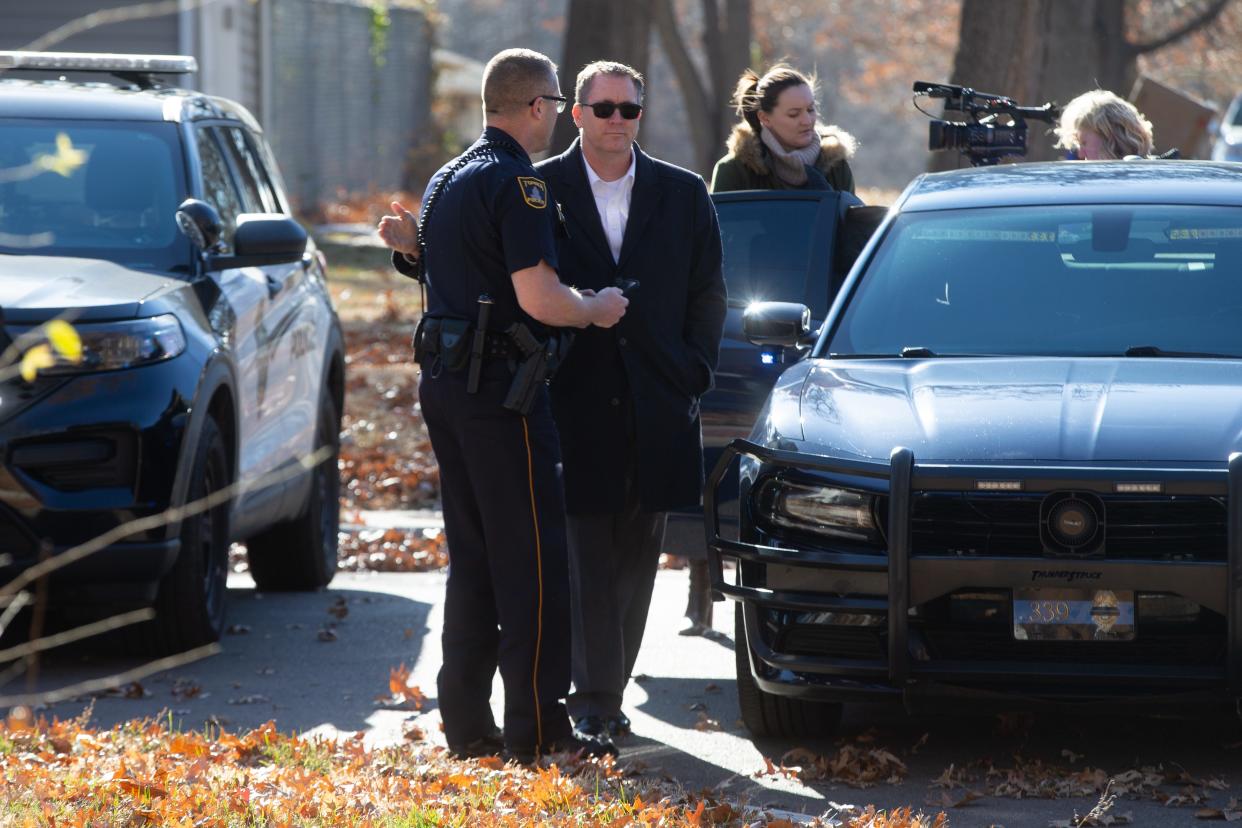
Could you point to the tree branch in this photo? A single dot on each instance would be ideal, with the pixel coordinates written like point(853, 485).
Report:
point(121, 14)
point(1209, 13)
point(693, 91)
point(107, 683)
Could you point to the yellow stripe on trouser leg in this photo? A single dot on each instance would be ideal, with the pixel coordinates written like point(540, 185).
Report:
point(534, 514)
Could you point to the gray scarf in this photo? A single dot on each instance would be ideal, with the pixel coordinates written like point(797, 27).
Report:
point(790, 167)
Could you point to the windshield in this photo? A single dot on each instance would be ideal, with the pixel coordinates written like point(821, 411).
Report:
point(1059, 280)
point(92, 189)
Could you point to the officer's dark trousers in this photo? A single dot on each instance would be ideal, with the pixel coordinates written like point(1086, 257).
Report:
point(507, 601)
point(613, 560)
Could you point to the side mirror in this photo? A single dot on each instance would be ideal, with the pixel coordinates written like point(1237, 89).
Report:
point(200, 223)
point(263, 239)
point(786, 324)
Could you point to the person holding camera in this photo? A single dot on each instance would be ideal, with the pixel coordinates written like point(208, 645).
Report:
point(626, 401)
point(778, 145)
point(1100, 126)
point(486, 253)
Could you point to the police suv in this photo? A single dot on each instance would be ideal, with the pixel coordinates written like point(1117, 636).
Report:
point(154, 221)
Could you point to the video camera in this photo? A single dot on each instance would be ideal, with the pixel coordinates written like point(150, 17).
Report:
point(983, 140)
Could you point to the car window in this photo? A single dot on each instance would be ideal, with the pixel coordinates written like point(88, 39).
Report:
point(768, 248)
point(218, 188)
point(1093, 280)
point(274, 179)
point(255, 189)
point(70, 188)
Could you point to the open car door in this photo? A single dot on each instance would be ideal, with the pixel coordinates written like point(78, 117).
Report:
point(779, 245)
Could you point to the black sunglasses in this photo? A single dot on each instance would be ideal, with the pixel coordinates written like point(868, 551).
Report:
point(604, 109)
point(561, 100)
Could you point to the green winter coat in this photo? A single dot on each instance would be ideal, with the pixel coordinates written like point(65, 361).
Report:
point(747, 167)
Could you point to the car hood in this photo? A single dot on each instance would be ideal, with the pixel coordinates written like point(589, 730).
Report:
point(1051, 409)
point(35, 288)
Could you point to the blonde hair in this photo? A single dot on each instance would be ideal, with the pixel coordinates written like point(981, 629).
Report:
point(1124, 129)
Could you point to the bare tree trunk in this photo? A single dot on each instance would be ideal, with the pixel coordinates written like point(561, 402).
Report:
point(694, 92)
point(601, 30)
point(734, 57)
point(1053, 50)
point(726, 44)
point(998, 51)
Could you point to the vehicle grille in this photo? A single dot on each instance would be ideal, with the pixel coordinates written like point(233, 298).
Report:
point(1135, 527)
point(832, 641)
point(75, 463)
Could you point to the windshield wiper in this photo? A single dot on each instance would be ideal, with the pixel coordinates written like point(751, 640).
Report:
point(916, 352)
point(1155, 351)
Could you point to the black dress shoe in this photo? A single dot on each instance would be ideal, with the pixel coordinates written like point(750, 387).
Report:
point(592, 728)
point(492, 744)
point(618, 726)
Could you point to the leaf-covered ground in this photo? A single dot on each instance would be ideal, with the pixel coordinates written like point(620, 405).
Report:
point(65, 773)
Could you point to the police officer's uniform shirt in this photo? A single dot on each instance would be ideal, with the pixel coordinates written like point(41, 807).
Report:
point(612, 200)
point(494, 218)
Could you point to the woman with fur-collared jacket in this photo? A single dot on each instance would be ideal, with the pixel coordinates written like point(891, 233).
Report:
point(778, 145)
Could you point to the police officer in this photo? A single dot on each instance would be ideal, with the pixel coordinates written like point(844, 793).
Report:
point(489, 259)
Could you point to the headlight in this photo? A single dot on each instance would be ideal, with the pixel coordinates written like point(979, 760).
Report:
point(824, 510)
point(111, 346)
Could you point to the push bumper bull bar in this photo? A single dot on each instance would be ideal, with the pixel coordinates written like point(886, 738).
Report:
point(912, 578)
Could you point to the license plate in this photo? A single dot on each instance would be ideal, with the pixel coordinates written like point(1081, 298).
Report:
point(1073, 615)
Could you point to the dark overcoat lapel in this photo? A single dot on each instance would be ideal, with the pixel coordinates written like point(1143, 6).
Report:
point(644, 202)
point(577, 200)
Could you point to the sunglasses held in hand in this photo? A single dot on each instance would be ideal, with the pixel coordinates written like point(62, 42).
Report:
point(604, 109)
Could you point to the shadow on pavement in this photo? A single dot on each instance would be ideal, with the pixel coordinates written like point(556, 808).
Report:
point(285, 657)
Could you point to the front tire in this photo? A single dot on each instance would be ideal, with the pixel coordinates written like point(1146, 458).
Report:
point(766, 714)
point(189, 606)
point(301, 555)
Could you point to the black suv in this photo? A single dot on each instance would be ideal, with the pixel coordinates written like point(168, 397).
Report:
point(1010, 470)
point(153, 219)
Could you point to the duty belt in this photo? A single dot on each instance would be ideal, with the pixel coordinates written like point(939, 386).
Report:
point(496, 344)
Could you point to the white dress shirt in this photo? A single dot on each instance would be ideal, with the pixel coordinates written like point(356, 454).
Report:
point(612, 200)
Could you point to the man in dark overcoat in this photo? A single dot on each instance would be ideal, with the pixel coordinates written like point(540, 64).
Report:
point(626, 400)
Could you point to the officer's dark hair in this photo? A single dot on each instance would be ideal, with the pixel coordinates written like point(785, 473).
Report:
point(513, 77)
point(755, 93)
point(606, 67)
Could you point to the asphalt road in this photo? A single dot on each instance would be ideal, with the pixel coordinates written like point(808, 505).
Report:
point(274, 665)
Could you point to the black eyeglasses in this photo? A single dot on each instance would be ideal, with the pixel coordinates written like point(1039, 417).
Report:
point(604, 109)
point(560, 101)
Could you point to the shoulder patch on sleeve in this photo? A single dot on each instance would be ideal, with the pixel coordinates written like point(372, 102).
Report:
point(534, 192)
